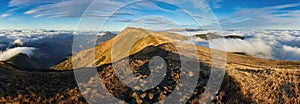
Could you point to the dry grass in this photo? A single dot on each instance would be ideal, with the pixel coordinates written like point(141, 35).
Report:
point(37, 87)
point(247, 79)
point(134, 39)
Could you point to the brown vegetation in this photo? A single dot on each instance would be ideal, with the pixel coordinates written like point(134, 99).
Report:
point(247, 79)
point(18, 86)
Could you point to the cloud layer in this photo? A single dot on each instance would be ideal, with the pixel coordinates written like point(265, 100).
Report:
point(6, 55)
point(268, 44)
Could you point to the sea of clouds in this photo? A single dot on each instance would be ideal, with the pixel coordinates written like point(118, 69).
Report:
point(44, 47)
point(57, 45)
point(267, 44)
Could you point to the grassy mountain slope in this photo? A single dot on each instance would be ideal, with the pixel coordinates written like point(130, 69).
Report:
point(140, 38)
point(247, 79)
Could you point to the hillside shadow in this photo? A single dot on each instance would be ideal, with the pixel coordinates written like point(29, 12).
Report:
point(228, 93)
point(61, 86)
point(38, 87)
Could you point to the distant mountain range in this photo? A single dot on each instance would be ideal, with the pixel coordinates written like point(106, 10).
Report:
point(184, 29)
point(209, 36)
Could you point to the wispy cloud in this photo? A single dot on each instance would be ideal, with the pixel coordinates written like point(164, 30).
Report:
point(154, 23)
point(60, 9)
point(154, 20)
point(199, 16)
point(24, 3)
point(215, 3)
point(75, 8)
point(263, 17)
point(204, 5)
point(4, 15)
point(123, 20)
point(244, 17)
point(148, 5)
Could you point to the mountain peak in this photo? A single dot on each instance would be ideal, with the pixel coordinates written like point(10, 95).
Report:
point(135, 29)
point(131, 39)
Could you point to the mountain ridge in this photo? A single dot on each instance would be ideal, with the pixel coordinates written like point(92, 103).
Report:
point(247, 79)
point(147, 38)
point(140, 38)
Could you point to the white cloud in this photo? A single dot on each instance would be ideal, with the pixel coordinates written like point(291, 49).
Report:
point(25, 3)
point(124, 20)
point(199, 16)
point(215, 3)
point(268, 44)
point(267, 17)
point(202, 4)
point(60, 8)
point(154, 20)
point(75, 8)
point(205, 5)
point(255, 47)
point(148, 5)
point(292, 50)
point(6, 55)
point(292, 53)
point(154, 23)
point(18, 42)
point(31, 11)
point(4, 15)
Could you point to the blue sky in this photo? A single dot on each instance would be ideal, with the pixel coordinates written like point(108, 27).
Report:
point(155, 15)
